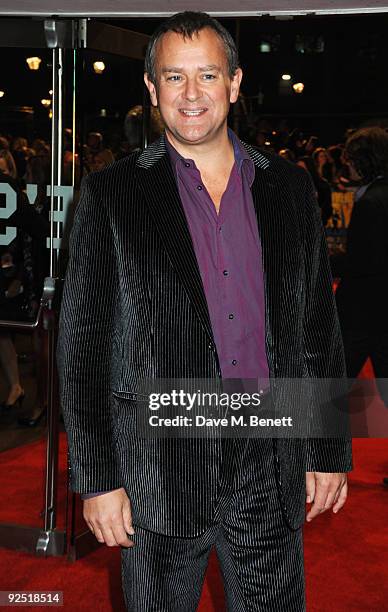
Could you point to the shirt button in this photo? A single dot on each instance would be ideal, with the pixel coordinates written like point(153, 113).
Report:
point(234, 362)
point(199, 187)
point(231, 316)
point(220, 229)
point(187, 165)
point(225, 273)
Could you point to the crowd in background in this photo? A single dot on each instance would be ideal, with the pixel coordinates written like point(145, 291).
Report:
point(30, 162)
point(23, 163)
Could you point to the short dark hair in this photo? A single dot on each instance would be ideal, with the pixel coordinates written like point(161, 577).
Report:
point(367, 148)
point(187, 24)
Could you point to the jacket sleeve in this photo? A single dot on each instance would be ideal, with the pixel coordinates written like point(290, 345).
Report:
point(85, 345)
point(323, 351)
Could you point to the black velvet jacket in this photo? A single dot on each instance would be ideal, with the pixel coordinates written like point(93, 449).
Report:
point(134, 307)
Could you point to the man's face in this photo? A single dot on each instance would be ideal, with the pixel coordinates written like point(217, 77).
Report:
point(193, 89)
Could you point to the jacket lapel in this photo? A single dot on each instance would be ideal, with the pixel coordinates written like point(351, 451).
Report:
point(158, 184)
point(271, 197)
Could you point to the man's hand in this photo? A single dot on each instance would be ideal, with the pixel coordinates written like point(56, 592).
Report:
point(325, 490)
point(109, 517)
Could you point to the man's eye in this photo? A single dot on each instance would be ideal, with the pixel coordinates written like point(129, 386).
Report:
point(209, 77)
point(173, 78)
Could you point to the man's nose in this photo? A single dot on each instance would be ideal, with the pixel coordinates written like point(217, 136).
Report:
point(192, 90)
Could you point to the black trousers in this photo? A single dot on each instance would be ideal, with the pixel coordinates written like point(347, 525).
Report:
point(261, 558)
point(361, 344)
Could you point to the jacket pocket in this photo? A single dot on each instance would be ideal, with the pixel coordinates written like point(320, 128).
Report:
point(130, 395)
point(123, 415)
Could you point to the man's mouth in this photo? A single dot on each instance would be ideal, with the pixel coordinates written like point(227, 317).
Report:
point(192, 112)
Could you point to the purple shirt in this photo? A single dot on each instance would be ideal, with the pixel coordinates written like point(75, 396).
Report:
point(228, 251)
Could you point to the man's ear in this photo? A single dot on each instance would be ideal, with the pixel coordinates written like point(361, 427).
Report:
point(235, 85)
point(152, 89)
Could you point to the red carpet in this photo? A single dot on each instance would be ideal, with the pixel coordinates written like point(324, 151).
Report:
point(346, 555)
point(22, 472)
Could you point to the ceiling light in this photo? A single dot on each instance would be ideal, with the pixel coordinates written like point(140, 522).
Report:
point(98, 67)
point(298, 87)
point(286, 77)
point(46, 103)
point(265, 47)
point(33, 62)
point(2, 94)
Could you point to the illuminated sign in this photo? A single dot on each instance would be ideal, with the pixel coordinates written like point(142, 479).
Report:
point(63, 195)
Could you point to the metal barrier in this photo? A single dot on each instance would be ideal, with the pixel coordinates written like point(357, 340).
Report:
point(45, 540)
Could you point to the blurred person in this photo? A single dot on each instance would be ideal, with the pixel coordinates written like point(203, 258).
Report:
point(170, 277)
point(323, 164)
point(4, 143)
point(262, 133)
point(336, 153)
point(297, 142)
point(283, 134)
point(362, 295)
point(19, 150)
point(261, 139)
point(322, 188)
point(118, 146)
point(96, 156)
point(7, 164)
point(71, 159)
point(18, 300)
point(101, 160)
point(38, 173)
point(133, 126)
point(19, 144)
point(311, 145)
point(40, 148)
point(320, 158)
point(92, 146)
point(94, 142)
point(287, 154)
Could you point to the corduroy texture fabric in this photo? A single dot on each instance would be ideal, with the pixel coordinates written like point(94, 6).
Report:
point(261, 559)
point(134, 307)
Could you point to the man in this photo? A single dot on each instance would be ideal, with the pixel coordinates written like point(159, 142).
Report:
point(362, 295)
point(198, 258)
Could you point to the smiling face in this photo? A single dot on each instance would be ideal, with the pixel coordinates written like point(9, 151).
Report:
point(193, 89)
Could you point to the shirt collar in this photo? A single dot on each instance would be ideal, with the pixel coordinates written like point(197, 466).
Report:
point(242, 158)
